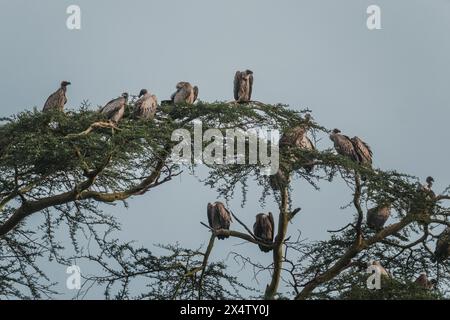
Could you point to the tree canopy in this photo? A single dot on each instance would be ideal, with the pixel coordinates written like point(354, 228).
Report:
point(63, 165)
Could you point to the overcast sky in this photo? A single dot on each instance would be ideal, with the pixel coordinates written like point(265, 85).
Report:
point(388, 86)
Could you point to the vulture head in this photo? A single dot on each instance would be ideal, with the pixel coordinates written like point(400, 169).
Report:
point(65, 84)
point(125, 95)
point(307, 117)
point(248, 72)
point(143, 92)
point(334, 133)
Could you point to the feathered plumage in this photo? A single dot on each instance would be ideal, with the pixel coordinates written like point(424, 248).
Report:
point(344, 145)
point(377, 217)
point(185, 93)
point(442, 250)
point(423, 282)
point(219, 217)
point(115, 108)
point(243, 86)
point(264, 229)
point(363, 151)
point(145, 106)
point(58, 99)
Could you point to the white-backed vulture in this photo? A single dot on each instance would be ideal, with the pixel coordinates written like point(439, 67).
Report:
point(423, 282)
point(296, 137)
point(264, 229)
point(363, 151)
point(377, 217)
point(219, 217)
point(145, 106)
point(115, 108)
point(58, 99)
point(243, 86)
point(185, 93)
point(442, 250)
point(344, 145)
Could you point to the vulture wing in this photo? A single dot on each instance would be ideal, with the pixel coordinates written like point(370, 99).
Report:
point(113, 106)
point(211, 212)
point(272, 226)
point(292, 137)
point(237, 84)
point(443, 245)
point(250, 87)
point(344, 146)
point(363, 150)
point(55, 100)
point(224, 216)
point(195, 94)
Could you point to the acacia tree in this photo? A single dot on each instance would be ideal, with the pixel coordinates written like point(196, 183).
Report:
point(62, 166)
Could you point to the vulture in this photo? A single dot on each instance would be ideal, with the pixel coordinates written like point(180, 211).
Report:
point(264, 229)
point(344, 145)
point(442, 250)
point(219, 217)
point(423, 282)
point(377, 217)
point(296, 137)
point(424, 202)
point(380, 268)
point(115, 109)
point(185, 93)
point(243, 84)
point(427, 187)
point(145, 106)
point(58, 99)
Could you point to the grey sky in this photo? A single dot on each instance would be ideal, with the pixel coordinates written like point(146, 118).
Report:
point(388, 86)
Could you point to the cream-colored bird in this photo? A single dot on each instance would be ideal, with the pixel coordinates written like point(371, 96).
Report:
point(186, 93)
point(243, 86)
point(145, 106)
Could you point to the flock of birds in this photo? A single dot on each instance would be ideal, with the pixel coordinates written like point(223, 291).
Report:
point(219, 217)
point(145, 107)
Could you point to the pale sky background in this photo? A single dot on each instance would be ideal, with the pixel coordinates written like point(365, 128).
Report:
point(388, 86)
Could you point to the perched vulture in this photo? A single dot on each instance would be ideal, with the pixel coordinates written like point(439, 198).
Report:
point(363, 151)
point(145, 106)
point(58, 99)
point(377, 217)
point(243, 84)
point(293, 137)
point(423, 282)
point(380, 268)
point(264, 229)
point(219, 217)
point(442, 250)
point(344, 145)
point(425, 200)
point(185, 93)
point(296, 137)
point(115, 109)
point(428, 187)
